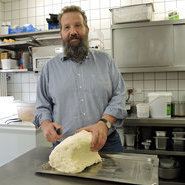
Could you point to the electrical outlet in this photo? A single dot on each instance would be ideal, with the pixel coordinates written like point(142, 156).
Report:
point(138, 91)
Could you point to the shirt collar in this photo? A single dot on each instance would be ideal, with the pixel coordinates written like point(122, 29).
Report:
point(65, 58)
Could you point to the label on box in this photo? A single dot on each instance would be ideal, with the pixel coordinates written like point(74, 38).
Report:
point(169, 109)
point(4, 55)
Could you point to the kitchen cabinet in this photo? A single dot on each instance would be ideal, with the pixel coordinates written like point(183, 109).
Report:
point(149, 46)
point(18, 138)
point(179, 44)
point(145, 129)
point(142, 46)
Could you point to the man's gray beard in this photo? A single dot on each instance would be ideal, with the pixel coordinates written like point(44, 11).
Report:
point(79, 51)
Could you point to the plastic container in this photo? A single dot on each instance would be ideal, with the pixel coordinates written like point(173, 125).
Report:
point(160, 104)
point(160, 133)
point(169, 173)
point(53, 26)
point(178, 143)
point(130, 139)
point(25, 111)
point(142, 110)
point(178, 134)
point(9, 64)
point(167, 162)
point(146, 145)
point(161, 142)
point(133, 13)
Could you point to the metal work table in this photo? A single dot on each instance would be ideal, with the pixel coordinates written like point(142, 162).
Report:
point(21, 171)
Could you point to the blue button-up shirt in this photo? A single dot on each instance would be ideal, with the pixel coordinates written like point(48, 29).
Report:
point(78, 94)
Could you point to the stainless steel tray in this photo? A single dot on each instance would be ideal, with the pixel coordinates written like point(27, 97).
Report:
point(124, 168)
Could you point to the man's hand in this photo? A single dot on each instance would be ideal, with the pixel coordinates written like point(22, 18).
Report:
point(49, 129)
point(99, 135)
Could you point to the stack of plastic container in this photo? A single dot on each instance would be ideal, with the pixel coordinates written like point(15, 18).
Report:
point(161, 140)
point(178, 140)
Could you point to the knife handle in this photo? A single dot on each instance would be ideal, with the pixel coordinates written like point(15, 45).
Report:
point(58, 131)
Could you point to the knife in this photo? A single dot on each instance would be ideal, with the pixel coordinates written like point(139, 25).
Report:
point(58, 131)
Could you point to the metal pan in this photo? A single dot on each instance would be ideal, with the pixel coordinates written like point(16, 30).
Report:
point(125, 168)
point(178, 108)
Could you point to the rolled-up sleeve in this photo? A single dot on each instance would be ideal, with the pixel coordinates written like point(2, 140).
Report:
point(116, 105)
point(43, 109)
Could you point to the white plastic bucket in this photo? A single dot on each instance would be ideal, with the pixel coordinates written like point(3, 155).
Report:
point(160, 104)
point(142, 110)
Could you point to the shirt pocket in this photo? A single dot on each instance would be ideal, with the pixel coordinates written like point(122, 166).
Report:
point(98, 85)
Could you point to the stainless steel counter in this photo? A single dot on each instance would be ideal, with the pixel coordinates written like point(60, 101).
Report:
point(133, 120)
point(21, 171)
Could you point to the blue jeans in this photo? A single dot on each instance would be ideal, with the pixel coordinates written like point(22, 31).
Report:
point(112, 145)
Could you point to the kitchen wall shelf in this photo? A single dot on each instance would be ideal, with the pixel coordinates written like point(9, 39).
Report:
point(153, 152)
point(29, 34)
point(145, 129)
point(132, 120)
point(13, 70)
point(24, 40)
point(172, 182)
point(17, 45)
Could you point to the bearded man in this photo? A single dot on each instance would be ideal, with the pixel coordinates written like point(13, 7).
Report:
point(80, 89)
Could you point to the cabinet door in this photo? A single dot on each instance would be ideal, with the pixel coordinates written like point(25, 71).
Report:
point(179, 45)
point(145, 46)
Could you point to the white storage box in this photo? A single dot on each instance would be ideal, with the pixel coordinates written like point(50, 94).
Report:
point(133, 13)
point(160, 104)
point(9, 64)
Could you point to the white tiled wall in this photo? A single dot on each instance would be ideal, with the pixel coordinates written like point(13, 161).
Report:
point(20, 12)
point(1, 12)
point(143, 83)
point(23, 86)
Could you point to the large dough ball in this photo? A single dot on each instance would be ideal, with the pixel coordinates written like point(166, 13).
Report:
point(73, 154)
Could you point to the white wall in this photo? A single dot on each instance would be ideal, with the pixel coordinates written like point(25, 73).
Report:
point(1, 12)
point(23, 85)
point(150, 82)
point(20, 12)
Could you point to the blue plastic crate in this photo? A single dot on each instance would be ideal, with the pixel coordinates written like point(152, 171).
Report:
point(53, 26)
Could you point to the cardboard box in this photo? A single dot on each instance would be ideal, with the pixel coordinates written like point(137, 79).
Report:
point(4, 55)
